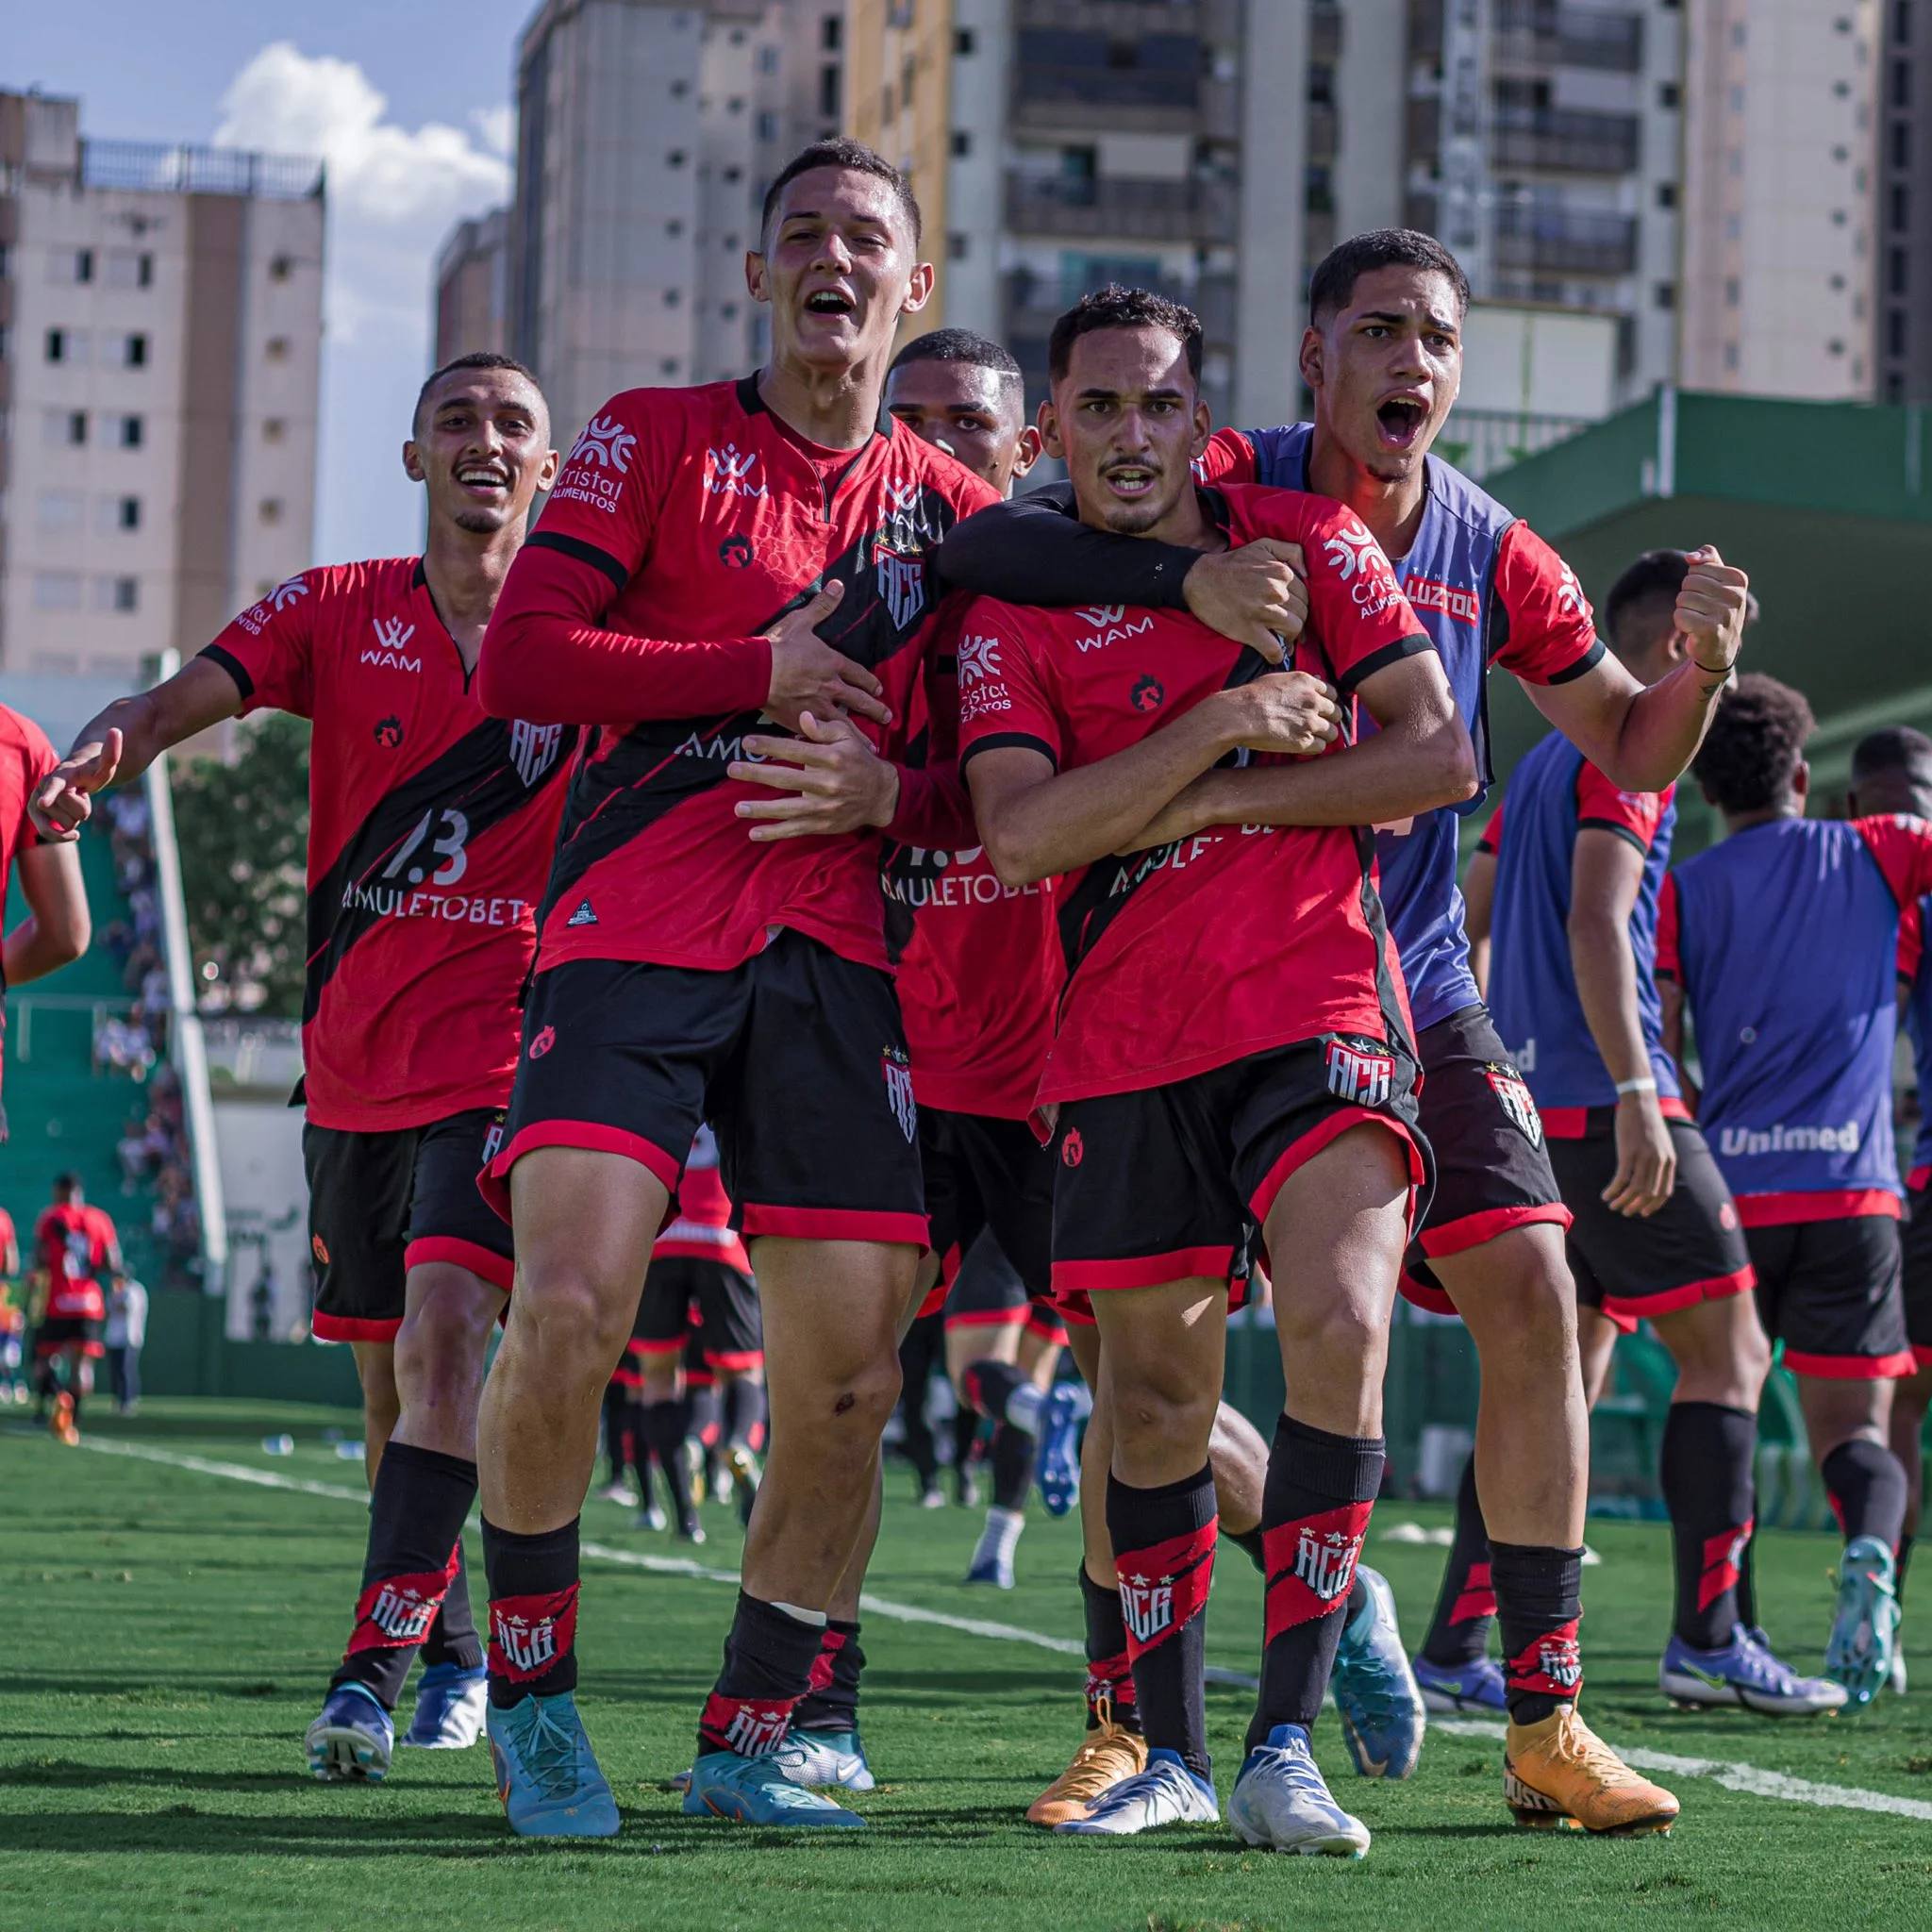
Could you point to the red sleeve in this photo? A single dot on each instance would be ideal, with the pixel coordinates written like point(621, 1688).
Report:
point(1632, 815)
point(1903, 847)
point(1491, 840)
point(1549, 632)
point(544, 656)
point(36, 758)
point(270, 649)
point(1003, 696)
point(1229, 458)
point(1669, 961)
point(1360, 621)
point(1911, 939)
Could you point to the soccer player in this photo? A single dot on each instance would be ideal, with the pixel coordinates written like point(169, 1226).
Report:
point(1781, 945)
point(1232, 1065)
point(712, 952)
point(699, 1278)
point(75, 1246)
point(1573, 927)
point(1892, 771)
point(432, 826)
point(1382, 356)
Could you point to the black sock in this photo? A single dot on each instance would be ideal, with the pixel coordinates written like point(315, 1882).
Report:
point(616, 1405)
point(453, 1637)
point(915, 1367)
point(1250, 1541)
point(703, 1413)
point(1013, 1452)
point(965, 1438)
point(1466, 1604)
point(1315, 1510)
point(1904, 1563)
point(744, 1413)
point(533, 1612)
point(1109, 1675)
point(1163, 1553)
point(832, 1703)
point(1709, 1454)
point(1868, 1490)
point(415, 1545)
point(663, 1426)
point(768, 1667)
point(1747, 1583)
point(989, 1384)
point(1539, 1604)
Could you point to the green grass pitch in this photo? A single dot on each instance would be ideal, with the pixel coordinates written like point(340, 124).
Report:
point(169, 1633)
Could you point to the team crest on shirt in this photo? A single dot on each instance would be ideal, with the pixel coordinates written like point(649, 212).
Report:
point(1325, 1560)
point(1512, 1092)
point(1146, 1606)
point(533, 748)
point(898, 1073)
point(902, 583)
point(1361, 1072)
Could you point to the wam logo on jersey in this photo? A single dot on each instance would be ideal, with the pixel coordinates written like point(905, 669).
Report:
point(729, 473)
point(1109, 626)
point(1325, 1561)
point(1146, 1606)
point(534, 748)
point(902, 583)
point(980, 659)
point(391, 634)
point(606, 442)
point(1361, 1072)
point(897, 1069)
point(1512, 1092)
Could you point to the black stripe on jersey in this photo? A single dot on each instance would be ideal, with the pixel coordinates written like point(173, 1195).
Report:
point(478, 776)
point(1623, 832)
point(232, 665)
point(1352, 679)
point(1387, 995)
point(1000, 741)
point(1583, 666)
point(583, 553)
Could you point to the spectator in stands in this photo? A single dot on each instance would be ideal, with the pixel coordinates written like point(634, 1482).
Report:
point(127, 1331)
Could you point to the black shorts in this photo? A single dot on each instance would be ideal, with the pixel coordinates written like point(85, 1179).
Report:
point(1915, 1240)
point(797, 1059)
point(380, 1204)
point(1831, 1291)
point(684, 1296)
point(1691, 1250)
point(987, 1292)
point(1493, 1165)
point(61, 1332)
point(980, 1173)
point(1173, 1181)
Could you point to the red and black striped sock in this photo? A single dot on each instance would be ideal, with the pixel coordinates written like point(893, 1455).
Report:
point(1315, 1510)
point(414, 1560)
point(533, 1612)
point(1110, 1676)
point(832, 1702)
point(1709, 1486)
point(1163, 1544)
point(1539, 1604)
point(769, 1659)
point(1466, 1605)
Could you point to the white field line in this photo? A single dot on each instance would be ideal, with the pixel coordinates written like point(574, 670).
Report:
point(1747, 1779)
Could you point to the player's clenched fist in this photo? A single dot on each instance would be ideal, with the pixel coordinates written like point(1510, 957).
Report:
point(808, 674)
point(1285, 711)
point(1253, 593)
point(1712, 608)
point(63, 801)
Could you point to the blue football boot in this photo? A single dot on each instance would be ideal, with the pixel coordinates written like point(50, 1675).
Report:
point(1474, 1686)
point(1744, 1672)
point(546, 1774)
point(1281, 1802)
point(1383, 1717)
point(449, 1708)
point(352, 1739)
point(1058, 1467)
point(755, 1790)
point(1864, 1633)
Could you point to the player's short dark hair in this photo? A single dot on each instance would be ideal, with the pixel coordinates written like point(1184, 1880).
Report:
point(477, 358)
point(841, 151)
point(1657, 577)
point(1753, 744)
point(1892, 748)
point(963, 346)
point(1115, 306)
point(66, 1183)
point(1332, 285)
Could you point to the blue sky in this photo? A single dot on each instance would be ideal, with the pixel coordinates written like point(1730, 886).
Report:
point(409, 103)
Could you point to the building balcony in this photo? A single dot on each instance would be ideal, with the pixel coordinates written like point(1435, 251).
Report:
point(1110, 77)
point(1564, 141)
point(1565, 242)
point(1121, 207)
point(1539, 34)
point(1125, 17)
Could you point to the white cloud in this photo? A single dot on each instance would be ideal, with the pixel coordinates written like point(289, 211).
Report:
point(393, 193)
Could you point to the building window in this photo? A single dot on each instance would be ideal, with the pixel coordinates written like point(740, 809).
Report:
point(1901, 83)
point(676, 159)
point(675, 225)
point(831, 32)
point(1322, 86)
point(767, 124)
point(118, 593)
point(735, 105)
point(1667, 95)
point(270, 510)
point(134, 352)
point(679, 89)
point(1898, 271)
point(1902, 22)
point(126, 269)
point(131, 432)
point(828, 93)
point(1665, 294)
point(1734, 294)
point(66, 428)
point(128, 513)
point(1731, 356)
point(1901, 210)
point(1901, 144)
point(768, 59)
point(281, 268)
point(1896, 333)
point(83, 261)
point(962, 143)
point(673, 297)
point(56, 590)
point(57, 512)
point(59, 345)
point(1834, 347)
point(274, 429)
point(734, 173)
point(278, 348)
point(668, 366)
point(957, 246)
point(1667, 194)
point(728, 311)
point(965, 44)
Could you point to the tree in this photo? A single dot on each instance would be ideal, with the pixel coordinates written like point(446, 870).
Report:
point(243, 832)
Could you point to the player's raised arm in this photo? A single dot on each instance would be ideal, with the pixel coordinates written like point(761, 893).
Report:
point(57, 926)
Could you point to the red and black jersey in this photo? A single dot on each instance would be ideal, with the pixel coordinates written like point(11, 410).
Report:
point(702, 1231)
point(1195, 954)
point(685, 524)
point(431, 832)
point(26, 759)
point(74, 1244)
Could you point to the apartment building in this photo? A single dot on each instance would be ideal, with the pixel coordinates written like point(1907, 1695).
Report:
point(646, 136)
point(472, 289)
point(160, 334)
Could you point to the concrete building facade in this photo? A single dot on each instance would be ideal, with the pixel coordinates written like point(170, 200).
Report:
point(473, 287)
point(160, 334)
